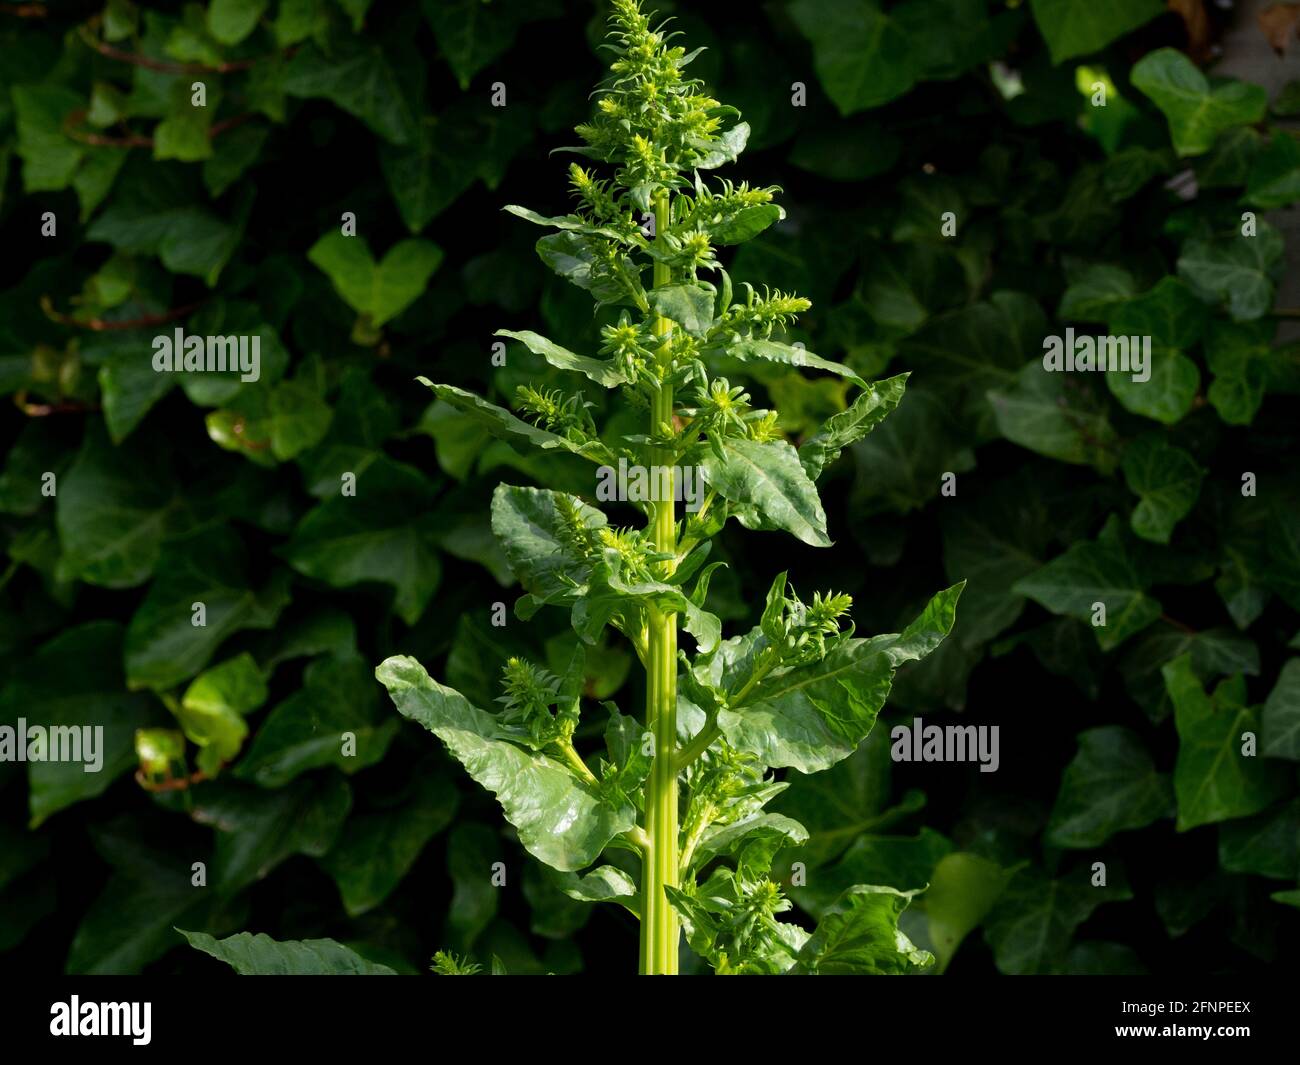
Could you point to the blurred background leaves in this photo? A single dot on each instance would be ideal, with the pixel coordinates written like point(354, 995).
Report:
point(126, 211)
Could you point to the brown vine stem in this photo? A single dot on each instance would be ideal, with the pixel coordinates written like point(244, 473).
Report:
point(170, 783)
point(44, 410)
point(137, 140)
point(88, 33)
point(1178, 624)
point(24, 10)
point(99, 325)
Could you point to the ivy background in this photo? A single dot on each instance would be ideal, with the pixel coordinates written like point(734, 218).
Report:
point(1118, 745)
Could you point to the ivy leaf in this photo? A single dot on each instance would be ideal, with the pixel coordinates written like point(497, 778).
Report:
point(230, 21)
point(1235, 270)
point(1174, 319)
point(868, 410)
point(1031, 925)
point(1281, 718)
point(1167, 480)
point(1062, 419)
point(963, 889)
point(74, 681)
point(260, 955)
point(598, 370)
point(978, 348)
point(1110, 786)
point(387, 533)
point(1095, 572)
point(50, 157)
point(357, 79)
point(863, 56)
point(560, 820)
point(472, 34)
point(861, 937)
point(114, 508)
point(308, 729)
point(1215, 652)
point(163, 644)
point(1274, 180)
point(1078, 27)
point(376, 850)
point(257, 830)
point(381, 290)
point(1213, 780)
point(213, 707)
point(1267, 844)
point(811, 717)
point(270, 424)
point(1196, 112)
point(1238, 355)
point(766, 478)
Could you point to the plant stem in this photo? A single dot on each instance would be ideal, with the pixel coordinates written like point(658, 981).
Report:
point(659, 927)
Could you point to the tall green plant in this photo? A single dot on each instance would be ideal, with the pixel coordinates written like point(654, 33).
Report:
point(682, 793)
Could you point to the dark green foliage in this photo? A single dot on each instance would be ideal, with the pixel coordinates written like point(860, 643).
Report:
point(1121, 744)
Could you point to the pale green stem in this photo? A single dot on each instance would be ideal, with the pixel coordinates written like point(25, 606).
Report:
point(659, 925)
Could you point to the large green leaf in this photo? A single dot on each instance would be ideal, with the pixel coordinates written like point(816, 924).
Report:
point(561, 820)
point(260, 955)
point(860, 937)
point(767, 481)
point(501, 423)
point(543, 535)
point(598, 370)
point(868, 410)
point(810, 717)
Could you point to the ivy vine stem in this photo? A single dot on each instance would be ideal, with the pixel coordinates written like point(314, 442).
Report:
point(659, 925)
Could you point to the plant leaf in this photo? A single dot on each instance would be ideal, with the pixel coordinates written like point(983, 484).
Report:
point(560, 820)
